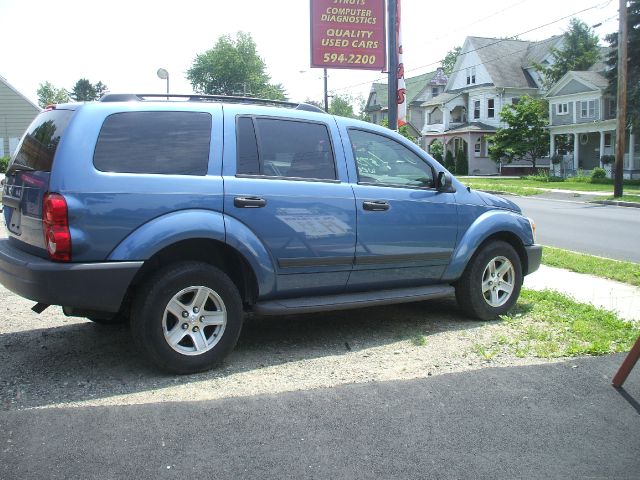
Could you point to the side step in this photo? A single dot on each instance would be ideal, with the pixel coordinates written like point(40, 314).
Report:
point(351, 300)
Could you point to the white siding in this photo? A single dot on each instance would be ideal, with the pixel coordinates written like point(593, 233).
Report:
point(469, 60)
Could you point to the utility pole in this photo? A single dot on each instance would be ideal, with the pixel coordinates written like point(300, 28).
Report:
point(621, 116)
point(393, 64)
point(326, 93)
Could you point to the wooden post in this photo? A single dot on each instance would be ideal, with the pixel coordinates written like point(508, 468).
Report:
point(627, 365)
point(392, 115)
point(622, 100)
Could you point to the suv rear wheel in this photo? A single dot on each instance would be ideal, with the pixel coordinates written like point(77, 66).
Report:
point(491, 282)
point(187, 317)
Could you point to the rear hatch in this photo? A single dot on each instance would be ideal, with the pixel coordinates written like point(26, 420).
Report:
point(27, 179)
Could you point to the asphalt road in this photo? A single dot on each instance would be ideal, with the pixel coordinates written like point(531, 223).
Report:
point(603, 230)
point(551, 421)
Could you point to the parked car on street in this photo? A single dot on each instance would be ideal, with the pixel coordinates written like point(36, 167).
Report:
point(180, 216)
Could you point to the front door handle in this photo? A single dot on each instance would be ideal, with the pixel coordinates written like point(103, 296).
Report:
point(375, 205)
point(249, 202)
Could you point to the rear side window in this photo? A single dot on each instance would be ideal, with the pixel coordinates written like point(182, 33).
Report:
point(284, 148)
point(38, 147)
point(170, 143)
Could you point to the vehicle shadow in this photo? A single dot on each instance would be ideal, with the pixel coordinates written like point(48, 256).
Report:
point(86, 361)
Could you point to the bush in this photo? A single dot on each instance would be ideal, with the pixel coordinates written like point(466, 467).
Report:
point(449, 162)
point(4, 163)
point(462, 164)
point(598, 173)
point(543, 176)
point(606, 159)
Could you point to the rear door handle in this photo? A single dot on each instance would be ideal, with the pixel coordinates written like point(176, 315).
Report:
point(375, 205)
point(249, 202)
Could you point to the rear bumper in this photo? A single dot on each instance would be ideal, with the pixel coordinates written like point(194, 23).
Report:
point(534, 257)
point(90, 286)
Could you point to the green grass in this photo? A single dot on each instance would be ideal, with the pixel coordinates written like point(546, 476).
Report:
point(626, 198)
point(522, 186)
point(548, 324)
point(626, 272)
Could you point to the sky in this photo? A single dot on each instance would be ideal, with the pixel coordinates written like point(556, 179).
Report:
point(124, 43)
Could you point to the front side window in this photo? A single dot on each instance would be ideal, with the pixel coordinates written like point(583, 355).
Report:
point(491, 108)
point(168, 143)
point(563, 108)
point(588, 109)
point(284, 148)
point(476, 109)
point(383, 161)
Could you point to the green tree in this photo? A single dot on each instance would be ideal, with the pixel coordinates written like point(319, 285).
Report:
point(633, 65)
point(449, 60)
point(83, 91)
point(341, 105)
point(233, 67)
point(462, 163)
point(579, 51)
point(100, 89)
point(526, 137)
point(403, 130)
point(48, 94)
point(436, 149)
point(449, 162)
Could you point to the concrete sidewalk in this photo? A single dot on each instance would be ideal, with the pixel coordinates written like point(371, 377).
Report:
point(620, 297)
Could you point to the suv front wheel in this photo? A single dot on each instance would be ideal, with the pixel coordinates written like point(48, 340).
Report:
point(491, 283)
point(187, 317)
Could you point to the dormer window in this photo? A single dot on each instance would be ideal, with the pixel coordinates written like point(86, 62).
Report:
point(471, 75)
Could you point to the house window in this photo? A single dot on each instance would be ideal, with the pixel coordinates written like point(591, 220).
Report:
point(588, 109)
point(515, 100)
point(435, 91)
point(607, 140)
point(471, 75)
point(611, 105)
point(374, 118)
point(563, 108)
point(477, 147)
point(476, 109)
point(491, 109)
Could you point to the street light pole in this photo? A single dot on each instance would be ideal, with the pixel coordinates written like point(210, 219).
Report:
point(393, 65)
point(164, 75)
point(326, 93)
point(622, 101)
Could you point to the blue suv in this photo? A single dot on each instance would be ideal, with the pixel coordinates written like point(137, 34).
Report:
point(181, 216)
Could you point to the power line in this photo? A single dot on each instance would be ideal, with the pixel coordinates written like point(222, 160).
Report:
point(513, 37)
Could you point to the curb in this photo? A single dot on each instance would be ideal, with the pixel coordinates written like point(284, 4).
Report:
point(617, 203)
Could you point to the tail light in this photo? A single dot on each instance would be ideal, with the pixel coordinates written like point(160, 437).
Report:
point(55, 225)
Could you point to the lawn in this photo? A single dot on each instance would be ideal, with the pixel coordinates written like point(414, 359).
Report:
point(626, 272)
point(531, 186)
point(548, 324)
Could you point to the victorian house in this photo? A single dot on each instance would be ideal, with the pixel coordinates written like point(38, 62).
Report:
point(489, 74)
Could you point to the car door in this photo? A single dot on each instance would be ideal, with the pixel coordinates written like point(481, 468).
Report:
point(406, 228)
point(283, 182)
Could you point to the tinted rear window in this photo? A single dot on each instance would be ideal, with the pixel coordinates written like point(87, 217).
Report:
point(38, 146)
point(170, 143)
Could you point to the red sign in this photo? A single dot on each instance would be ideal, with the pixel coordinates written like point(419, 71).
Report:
point(348, 34)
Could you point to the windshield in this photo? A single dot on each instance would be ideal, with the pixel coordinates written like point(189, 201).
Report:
point(38, 145)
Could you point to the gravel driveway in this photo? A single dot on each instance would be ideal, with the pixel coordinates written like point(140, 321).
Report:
point(50, 360)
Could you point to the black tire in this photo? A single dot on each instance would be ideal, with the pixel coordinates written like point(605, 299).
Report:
point(472, 289)
point(154, 326)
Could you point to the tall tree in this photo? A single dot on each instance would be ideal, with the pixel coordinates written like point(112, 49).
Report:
point(49, 94)
point(526, 137)
point(83, 91)
point(633, 65)
point(449, 60)
point(579, 50)
point(100, 89)
point(233, 67)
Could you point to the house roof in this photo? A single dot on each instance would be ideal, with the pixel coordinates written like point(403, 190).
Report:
point(11, 87)
point(416, 86)
point(472, 127)
point(441, 99)
point(593, 80)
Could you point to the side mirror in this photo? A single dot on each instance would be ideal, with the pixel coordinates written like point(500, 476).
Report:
point(445, 183)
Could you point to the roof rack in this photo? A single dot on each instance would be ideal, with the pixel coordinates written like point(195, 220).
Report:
point(141, 97)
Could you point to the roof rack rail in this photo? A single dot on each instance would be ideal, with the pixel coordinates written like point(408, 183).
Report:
point(141, 97)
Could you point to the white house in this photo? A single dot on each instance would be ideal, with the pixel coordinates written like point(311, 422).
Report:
point(16, 114)
point(489, 74)
point(582, 123)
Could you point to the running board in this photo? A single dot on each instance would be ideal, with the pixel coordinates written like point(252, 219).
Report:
point(351, 300)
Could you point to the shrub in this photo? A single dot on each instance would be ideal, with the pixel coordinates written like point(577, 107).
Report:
point(4, 163)
point(462, 164)
point(607, 159)
point(556, 159)
point(543, 176)
point(598, 173)
point(449, 162)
